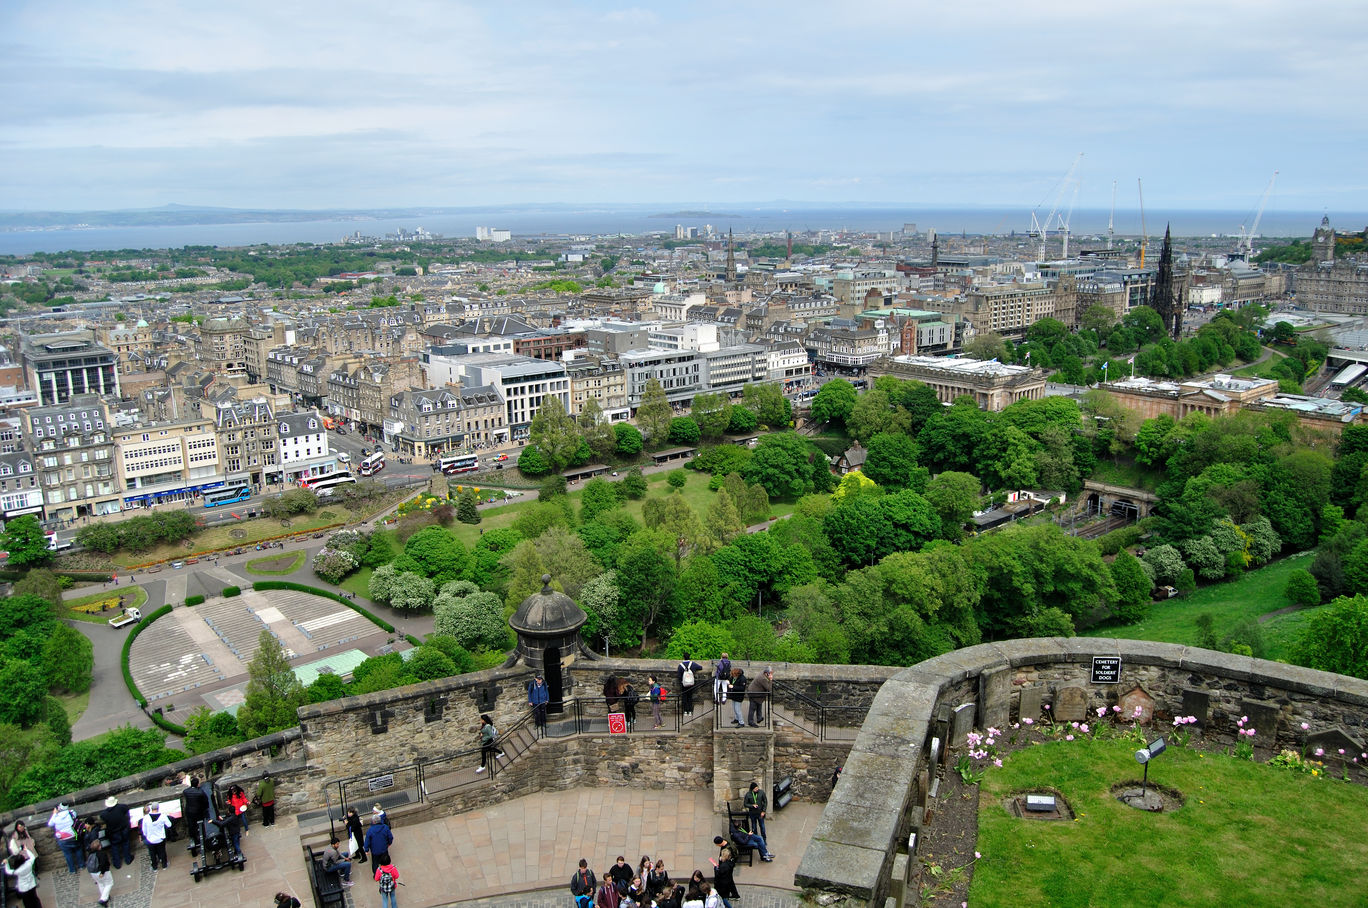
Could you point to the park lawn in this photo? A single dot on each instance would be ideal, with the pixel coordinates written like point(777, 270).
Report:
point(1249, 834)
point(1257, 593)
point(357, 582)
point(1260, 370)
point(1126, 472)
point(1282, 633)
point(134, 597)
point(75, 705)
point(266, 566)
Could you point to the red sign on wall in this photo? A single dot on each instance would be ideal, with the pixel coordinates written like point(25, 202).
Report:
point(617, 723)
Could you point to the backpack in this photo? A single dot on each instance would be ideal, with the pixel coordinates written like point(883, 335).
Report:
point(688, 678)
point(386, 881)
point(93, 863)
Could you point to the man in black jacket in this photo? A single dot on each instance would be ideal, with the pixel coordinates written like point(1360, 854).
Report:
point(194, 807)
point(686, 675)
point(621, 874)
point(117, 824)
point(583, 882)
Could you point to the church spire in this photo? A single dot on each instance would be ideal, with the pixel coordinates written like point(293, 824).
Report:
point(731, 258)
point(1165, 298)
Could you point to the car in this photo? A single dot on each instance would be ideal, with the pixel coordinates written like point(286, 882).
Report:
point(344, 457)
point(501, 457)
point(177, 565)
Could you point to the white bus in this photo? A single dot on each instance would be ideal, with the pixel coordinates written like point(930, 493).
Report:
point(325, 481)
point(372, 464)
point(458, 463)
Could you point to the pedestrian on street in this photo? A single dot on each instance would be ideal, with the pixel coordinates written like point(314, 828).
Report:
point(657, 697)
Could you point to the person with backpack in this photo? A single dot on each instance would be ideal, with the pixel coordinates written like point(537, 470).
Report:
point(722, 680)
point(97, 865)
point(489, 742)
point(583, 883)
point(657, 698)
point(285, 900)
point(63, 823)
point(687, 676)
point(738, 696)
point(387, 875)
point(630, 699)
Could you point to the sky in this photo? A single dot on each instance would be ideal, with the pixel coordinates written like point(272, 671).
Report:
point(343, 104)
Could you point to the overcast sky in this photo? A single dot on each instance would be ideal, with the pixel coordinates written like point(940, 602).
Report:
point(342, 104)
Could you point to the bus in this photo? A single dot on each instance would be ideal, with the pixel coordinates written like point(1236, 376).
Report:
point(372, 464)
point(458, 463)
point(226, 496)
point(329, 480)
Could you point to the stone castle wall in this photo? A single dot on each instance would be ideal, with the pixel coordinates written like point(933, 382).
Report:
point(861, 846)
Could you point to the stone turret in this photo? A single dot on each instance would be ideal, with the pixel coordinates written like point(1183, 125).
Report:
point(547, 624)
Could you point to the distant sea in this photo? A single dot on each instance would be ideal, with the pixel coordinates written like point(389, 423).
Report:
point(637, 220)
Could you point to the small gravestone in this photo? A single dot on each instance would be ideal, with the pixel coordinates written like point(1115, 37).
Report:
point(1136, 706)
point(1071, 705)
point(962, 722)
point(923, 786)
point(995, 696)
point(1028, 704)
point(1197, 703)
point(936, 757)
point(1263, 718)
point(1332, 741)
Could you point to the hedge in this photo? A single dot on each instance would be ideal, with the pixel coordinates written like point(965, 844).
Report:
point(261, 585)
point(231, 591)
point(128, 646)
point(194, 600)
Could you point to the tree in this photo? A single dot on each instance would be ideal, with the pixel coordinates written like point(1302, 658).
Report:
point(954, 496)
point(1335, 638)
point(273, 692)
point(41, 583)
point(532, 462)
point(474, 618)
point(332, 565)
point(554, 433)
point(784, 466)
point(987, 346)
point(411, 592)
point(23, 689)
point(206, 730)
point(1167, 563)
point(599, 599)
point(742, 421)
point(684, 431)
point(654, 413)
point(874, 413)
point(598, 497)
point(646, 580)
point(767, 401)
point(677, 479)
point(634, 484)
point(439, 555)
point(1132, 588)
point(700, 640)
point(834, 401)
point(712, 412)
point(565, 557)
point(723, 521)
point(629, 440)
point(891, 461)
point(99, 537)
point(26, 542)
point(596, 430)
point(1098, 318)
point(467, 510)
point(855, 483)
point(383, 581)
point(68, 659)
point(1302, 589)
point(428, 663)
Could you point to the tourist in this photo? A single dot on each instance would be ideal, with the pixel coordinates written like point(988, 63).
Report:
point(726, 867)
point(239, 802)
point(630, 699)
point(686, 674)
point(285, 900)
point(672, 899)
point(636, 891)
point(154, 827)
point(63, 823)
point(194, 807)
point(758, 692)
point(659, 877)
point(695, 891)
point(266, 796)
point(756, 805)
point(607, 895)
point(750, 840)
point(230, 828)
point(738, 696)
point(722, 680)
point(378, 840)
point(657, 698)
point(710, 898)
point(20, 840)
point(538, 695)
point(356, 837)
point(644, 867)
point(118, 824)
point(621, 874)
point(97, 865)
point(387, 876)
point(334, 860)
point(583, 882)
point(20, 866)
point(489, 743)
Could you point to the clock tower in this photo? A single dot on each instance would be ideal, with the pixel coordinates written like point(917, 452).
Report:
point(1323, 242)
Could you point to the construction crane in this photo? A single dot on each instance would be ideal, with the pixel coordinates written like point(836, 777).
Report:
point(1245, 247)
point(1040, 229)
point(1111, 218)
point(1064, 229)
point(1144, 231)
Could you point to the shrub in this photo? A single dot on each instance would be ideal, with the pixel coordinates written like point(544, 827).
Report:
point(677, 479)
point(332, 565)
point(1116, 540)
point(194, 600)
point(231, 591)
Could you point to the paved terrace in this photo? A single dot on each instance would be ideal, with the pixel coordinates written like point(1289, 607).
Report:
point(517, 853)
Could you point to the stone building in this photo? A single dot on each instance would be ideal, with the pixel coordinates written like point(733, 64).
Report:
point(73, 452)
point(62, 366)
point(445, 420)
point(1325, 285)
point(993, 385)
point(160, 462)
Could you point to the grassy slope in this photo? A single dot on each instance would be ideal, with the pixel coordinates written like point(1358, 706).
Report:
point(1249, 834)
point(1175, 620)
point(137, 596)
point(259, 565)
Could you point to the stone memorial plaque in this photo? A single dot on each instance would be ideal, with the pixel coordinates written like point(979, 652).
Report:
point(995, 698)
point(1106, 670)
point(1197, 703)
point(1134, 699)
point(1071, 705)
point(1331, 741)
point(962, 722)
point(1028, 703)
point(1263, 718)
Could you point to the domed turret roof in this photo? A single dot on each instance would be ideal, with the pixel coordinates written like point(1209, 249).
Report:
point(547, 613)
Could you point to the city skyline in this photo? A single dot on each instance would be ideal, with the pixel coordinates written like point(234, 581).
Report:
point(323, 107)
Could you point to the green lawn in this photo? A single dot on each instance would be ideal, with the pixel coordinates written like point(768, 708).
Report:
point(133, 596)
point(1257, 593)
point(1127, 473)
point(275, 565)
point(1249, 834)
point(1260, 370)
point(358, 583)
point(1281, 633)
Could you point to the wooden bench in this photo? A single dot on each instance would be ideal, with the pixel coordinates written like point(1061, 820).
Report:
point(737, 817)
point(327, 882)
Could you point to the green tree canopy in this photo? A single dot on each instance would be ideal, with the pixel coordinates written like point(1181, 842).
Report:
point(654, 413)
point(26, 542)
point(834, 401)
point(273, 692)
point(554, 433)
